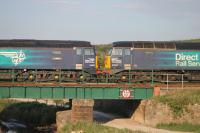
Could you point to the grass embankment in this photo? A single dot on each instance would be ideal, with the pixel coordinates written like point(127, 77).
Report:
point(178, 102)
point(93, 128)
point(186, 127)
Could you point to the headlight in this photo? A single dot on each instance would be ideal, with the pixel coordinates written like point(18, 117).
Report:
point(31, 77)
point(123, 77)
point(81, 77)
point(56, 77)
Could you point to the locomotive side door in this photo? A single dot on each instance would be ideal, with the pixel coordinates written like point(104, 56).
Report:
point(89, 58)
point(79, 58)
point(117, 58)
point(127, 58)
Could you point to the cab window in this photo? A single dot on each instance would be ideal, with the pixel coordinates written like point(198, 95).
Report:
point(110, 51)
point(78, 51)
point(127, 51)
point(89, 51)
point(117, 51)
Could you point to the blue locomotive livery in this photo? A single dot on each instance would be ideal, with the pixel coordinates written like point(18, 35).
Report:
point(177, 60)
point(43, 59)
point(135, 57)
point(46, 60)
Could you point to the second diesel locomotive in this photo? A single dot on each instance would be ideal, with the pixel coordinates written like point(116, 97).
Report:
point(158, 61)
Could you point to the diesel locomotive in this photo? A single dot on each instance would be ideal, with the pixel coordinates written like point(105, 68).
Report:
point(74, 61)
point(46, 60)
point(137, 61)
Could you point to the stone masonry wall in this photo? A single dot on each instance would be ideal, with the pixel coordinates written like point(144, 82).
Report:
point(151, 113)
point(82, 110)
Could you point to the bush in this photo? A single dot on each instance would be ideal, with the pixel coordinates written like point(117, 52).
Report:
point(4, 103)
point(179, 100)
point(34, 113)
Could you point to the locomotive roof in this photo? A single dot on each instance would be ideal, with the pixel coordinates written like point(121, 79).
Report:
point(159, 44)
point(44, 43)
point(188, 45)
point(132, 43)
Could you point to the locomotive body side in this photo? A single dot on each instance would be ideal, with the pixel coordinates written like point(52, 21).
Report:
point(167, 59)
point(164, 60)
point(47, 58)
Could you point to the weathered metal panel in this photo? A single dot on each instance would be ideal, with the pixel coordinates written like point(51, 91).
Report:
point(140, 93)
point(17, 92)
point(4, 92)
point(33, 92)
point(112, 93)
point(149, 92)
point(58, 93)
point(97, 93)
point(80, 93)
point(88, 93)
point(70, 92)
point(46, 92)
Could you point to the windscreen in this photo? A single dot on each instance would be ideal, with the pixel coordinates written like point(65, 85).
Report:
point(117, 51)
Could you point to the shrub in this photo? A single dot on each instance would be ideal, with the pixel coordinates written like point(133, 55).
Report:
point(179, 100)
point(34, 113)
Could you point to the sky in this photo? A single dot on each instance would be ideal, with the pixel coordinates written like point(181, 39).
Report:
point(100, 21)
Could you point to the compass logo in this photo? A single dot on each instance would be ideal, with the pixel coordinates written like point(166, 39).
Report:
point(16, 57)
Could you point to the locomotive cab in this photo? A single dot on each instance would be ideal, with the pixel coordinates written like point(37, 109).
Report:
point(120, 56)
point(159, 61)
point(85, 58)
point(136, 55)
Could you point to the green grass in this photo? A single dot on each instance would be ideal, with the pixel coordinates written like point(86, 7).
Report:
point(179, 100)
point(92, 128)
point(186, 127)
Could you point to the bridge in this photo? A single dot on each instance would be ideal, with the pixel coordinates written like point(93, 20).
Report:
point(74, 91)
point(81, 95)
